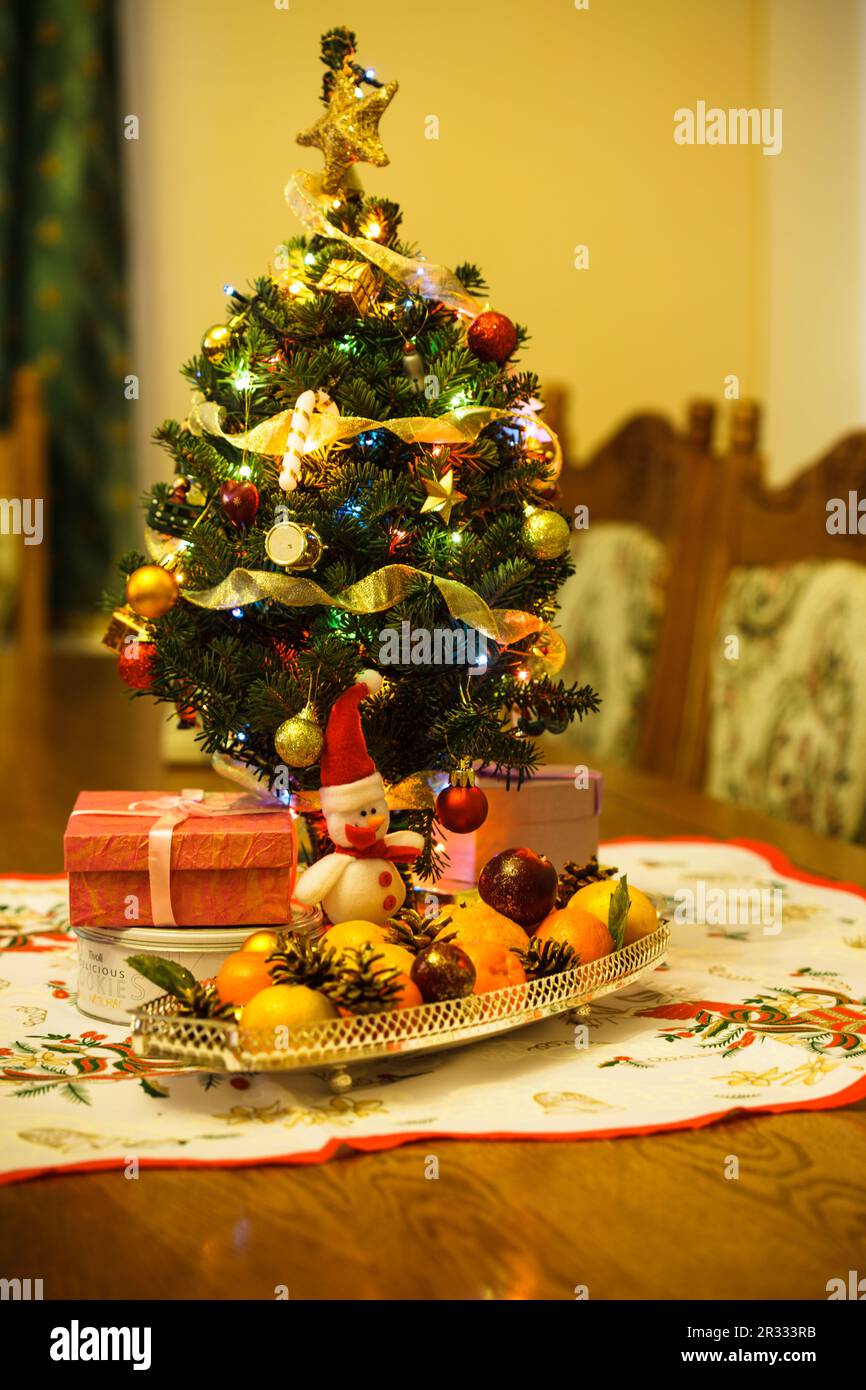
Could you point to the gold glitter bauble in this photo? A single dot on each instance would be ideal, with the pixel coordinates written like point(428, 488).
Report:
point(215, 342)
point(349, 130)
point(151, 591)
point(545, 534)
point(299, 740)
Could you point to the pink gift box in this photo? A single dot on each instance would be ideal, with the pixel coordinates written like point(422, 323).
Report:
point(553, 813)
point(232, 863)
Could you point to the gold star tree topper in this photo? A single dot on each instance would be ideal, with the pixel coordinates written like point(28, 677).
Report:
point(442, 496)
point(348, 132)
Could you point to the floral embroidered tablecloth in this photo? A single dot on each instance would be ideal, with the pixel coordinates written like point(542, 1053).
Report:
point(760, 1005)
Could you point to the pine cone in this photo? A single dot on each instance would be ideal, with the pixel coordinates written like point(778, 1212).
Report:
point(543, 958)
point(575, 876)
point(304, 960)
point(415, 932)
point(204, 1002)
point(362, 986)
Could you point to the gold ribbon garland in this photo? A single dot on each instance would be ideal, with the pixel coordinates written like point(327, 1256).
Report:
point(455, 427)
point(383, 589)
point(307, 200)
point(412, 793)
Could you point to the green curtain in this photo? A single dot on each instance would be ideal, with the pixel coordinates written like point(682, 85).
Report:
point(62, 287)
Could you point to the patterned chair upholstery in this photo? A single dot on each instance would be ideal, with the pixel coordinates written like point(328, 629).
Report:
point(788, 714)
point(610, 617)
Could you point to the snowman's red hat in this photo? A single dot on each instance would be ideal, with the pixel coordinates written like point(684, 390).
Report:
point(349, 776)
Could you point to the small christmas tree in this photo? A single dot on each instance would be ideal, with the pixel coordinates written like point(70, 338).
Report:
point(363, 481)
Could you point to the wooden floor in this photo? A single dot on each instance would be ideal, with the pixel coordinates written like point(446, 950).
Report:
point(629, 1218)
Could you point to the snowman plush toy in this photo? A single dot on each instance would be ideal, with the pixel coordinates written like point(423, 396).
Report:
point(359, 881)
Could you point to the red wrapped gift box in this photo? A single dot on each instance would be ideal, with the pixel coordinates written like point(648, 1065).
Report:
point(556, 813)
point(190, 859)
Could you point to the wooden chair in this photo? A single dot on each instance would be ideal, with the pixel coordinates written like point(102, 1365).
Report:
point(624, 613)
point(775, 712)
point(24, 569)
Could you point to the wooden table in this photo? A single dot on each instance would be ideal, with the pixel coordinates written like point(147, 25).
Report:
point(630, 1218)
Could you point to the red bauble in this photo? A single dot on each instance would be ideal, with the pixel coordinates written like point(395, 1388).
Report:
point(135, 664)
point(492, 337)
point(461, 809)
point(240, 502)
point(520, 884)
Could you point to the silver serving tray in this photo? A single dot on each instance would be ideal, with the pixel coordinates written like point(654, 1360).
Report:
point(215, 1045)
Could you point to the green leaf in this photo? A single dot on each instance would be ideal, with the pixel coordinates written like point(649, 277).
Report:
point(618, 912)
point(167, 975)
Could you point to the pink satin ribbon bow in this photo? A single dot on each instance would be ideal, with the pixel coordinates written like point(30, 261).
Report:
point(169, 811)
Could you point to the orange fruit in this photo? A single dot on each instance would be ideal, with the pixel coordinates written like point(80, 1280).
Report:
point(347, 935)
point(479, 922)
point(581, 930)
point(264, 942)
point(286, 1006)
point(595, 897)
point(409, 995)
point(393, 958)
point(241, 976)
point(496, 966)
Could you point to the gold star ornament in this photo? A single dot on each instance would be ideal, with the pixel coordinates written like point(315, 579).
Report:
point(348, 132)
point(442, 496)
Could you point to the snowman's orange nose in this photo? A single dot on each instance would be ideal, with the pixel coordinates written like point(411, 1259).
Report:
point(376, 822)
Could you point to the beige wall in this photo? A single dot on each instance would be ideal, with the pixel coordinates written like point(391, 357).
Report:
point(809, 311)
point(556, 129)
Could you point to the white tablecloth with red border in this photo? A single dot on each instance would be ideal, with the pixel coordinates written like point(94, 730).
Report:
point(737, 1019)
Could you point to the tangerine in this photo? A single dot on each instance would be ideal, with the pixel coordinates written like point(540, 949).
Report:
point(286, 1006)
point(583, 931)
point(242, 975)
point(595, 897)
point(390, 957)
point(264, 942)
point(351, 935)
point(409, 995)
point(496, 966)
point(479, 922)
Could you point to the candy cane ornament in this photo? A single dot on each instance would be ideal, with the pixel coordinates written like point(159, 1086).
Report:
point(302, 416)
